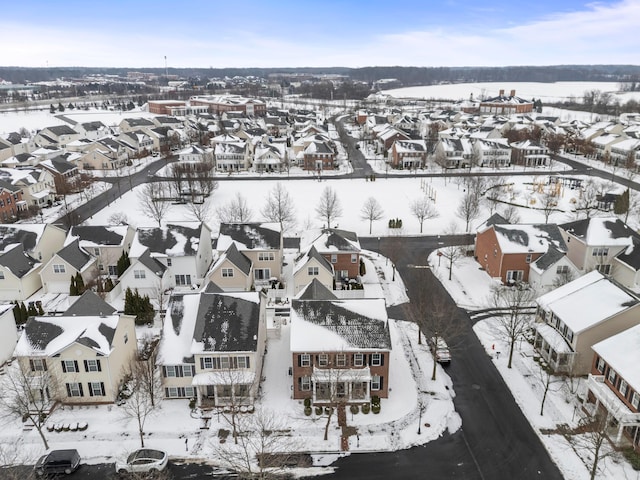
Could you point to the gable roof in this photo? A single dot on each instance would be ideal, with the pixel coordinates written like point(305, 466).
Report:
point(249, 236)
point(622, 354)
point(50, 335)
point(239, 259)
point(601, 231)
point(89, 304)
point(549, 258)
point(312, 253)
point(99, 234)
point(528, 238)
point(18, 261)
point(316, 291)
point(74, 255)
point(227, 323)
point(172, 240)
point(17, 234)
point(335, 240)
point(151, 263)
point(337, 325)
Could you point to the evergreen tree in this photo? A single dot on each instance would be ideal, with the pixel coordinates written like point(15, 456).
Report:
point(80, 284)
point(123, 263)
point(40, 309)
point(108, 284)
point(16, 313)
point(621, 205)
point(60, 107)
point(128, 302)
point(31, 311)
point(73, 289)
point(23, 313)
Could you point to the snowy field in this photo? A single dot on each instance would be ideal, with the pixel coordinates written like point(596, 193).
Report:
point(547, 92)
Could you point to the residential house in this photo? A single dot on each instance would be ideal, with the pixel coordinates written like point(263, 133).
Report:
point(137, 142)
point(626, 153)
point(58, 136)
point(529, 154)
point(507, 251)
point(506, 104)
point(92, 130)
point(66, 263)
point(231, 156)
point(82, 357)
point(212, 347)
point(104, 154)
point(11, 202)
point(196, 154)
point(574, 317)
point(614, 386)
point(261, 243)
point(492, 153)
point(270, 157)
point(341, 248)
point(318, 156)
point(232, 271)
point(66, 176)
point(408, 154)
point(341, 349)
point(107, 243)
point(551, 270)
point(184, 248)
point(454, 152)
point(8, 335)
point(147, 275)
point(131, 124)
point(310, 266)
point(37, 185)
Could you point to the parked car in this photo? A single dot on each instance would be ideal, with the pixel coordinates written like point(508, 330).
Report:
point(143, 460)
point(443, 355)
point(57, 461)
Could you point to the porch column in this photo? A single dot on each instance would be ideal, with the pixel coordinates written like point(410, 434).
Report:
point(619, 435)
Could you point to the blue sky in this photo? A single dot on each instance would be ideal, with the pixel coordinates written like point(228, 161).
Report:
point(288, 33)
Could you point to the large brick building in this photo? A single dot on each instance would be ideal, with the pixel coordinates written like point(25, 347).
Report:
point(231, 103)
point(506, 104)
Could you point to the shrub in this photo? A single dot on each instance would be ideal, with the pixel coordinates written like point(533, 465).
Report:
point(192, 403)
point(354, 409)
point(318, 411)
point(632, 457)
point(375, 400)
point(363, 269)
point(307, 402)
point(375, 408)
point(307, 411)
point(328, 410)
point(366, 408)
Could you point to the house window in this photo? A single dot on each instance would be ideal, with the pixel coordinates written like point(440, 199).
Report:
point(242, 362)
point(188, 370)
point(600, 252)
point(224, 363)
point(305, 383)
point(514, 276)
point(313, 271)
point(96, 389)
point(113, 270)
point(180, 392)
point(623, 388)
point(170, 371)
point(227, 272)
point(74, 389)
point(126, 338)
point(305, 360)
point(358, 359)
point(266, 256)
point(600, 365)
point(341, 360)
point(92, 366)
point(376, 359)
point(1, 275)
point(354, 258)
point(323, 360)
point(528, 258)
point(635, 400)
point(38, 365)
point(96, 251)
point(376, 382)
point(139, 274)
point(58, 268)
point(334, 258)
point(562, 269)
point(207, 362)
point(604, 269)
point(183, 279)
point(612, 376)
point(101, 267)
point(262, 273)
point(168, 262)
point(69, 366)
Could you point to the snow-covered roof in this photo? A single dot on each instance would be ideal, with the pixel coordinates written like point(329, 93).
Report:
point(523, 238)
point(249, 236)
point(601, 231)
point(172, 240)
point(339, 325)
point(553, 338)
point(587, 301)
point(336, 240)
point(622, 353)
point(50, 335)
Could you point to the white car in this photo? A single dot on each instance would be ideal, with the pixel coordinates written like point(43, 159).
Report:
point(443, 355)
point(143, 460)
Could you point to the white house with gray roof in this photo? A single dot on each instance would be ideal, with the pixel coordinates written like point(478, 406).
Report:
point(551, 270)
point(146, 274)
point(69, 261)
point(82, 355)
point(212, 347)
point(232, 271)
point(310, 266)
point(106, 243)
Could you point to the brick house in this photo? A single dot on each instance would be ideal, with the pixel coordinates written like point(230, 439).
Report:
point(318, 155)
point(11, 202)
point(341, 248)
point(506, 104)
point(408, 153)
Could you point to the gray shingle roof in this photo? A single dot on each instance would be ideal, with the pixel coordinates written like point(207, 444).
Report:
point(227, 324)
point(549, 258)
point(89, 304)
point(342, 239)
point(239, 259)
point(151, 263)
point(316, 291)
point(97, 234)
point(17, 261)
point(253, 235)
point(74, 255)
point(10, 235)
point(161, 240)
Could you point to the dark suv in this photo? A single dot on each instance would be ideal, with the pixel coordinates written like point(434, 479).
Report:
point(58, 461)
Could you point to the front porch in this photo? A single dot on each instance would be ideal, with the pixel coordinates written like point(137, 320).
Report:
point(232, 388)
point(553, 348)
point(341, 385)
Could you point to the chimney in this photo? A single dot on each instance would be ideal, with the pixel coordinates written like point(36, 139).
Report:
point(501, 93)
point(513, 93)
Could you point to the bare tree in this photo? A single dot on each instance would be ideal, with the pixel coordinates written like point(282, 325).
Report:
point(452, 253)
point(469, 207)
point(118, 218)
point(587, 201)
point(371, 211)
point(423, 209)
point(329, 208)
point(31, 396)
point(233, 392)
point(512, 314)
point(263, 449)
point(201, 211)
point(510, 214)
point(142, 400)
point(548, 205)
point(153, 200)
point(236, 211)
point(14, 462)
point(279, 207)
point(590, 438)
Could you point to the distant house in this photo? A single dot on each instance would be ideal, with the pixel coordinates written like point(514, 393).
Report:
point(506, 104)
point(106, 243)
point(270, 157)
point(339, 353)
point(614, 385)
point(318, 155)
point(184, 248)
point(507, 251)
point(11, 202)
point(87, 353)
point(492, 153)
point(529, 154)
point(454, 152)
point(310, 266)
point(341, 248)
point(231, 156)
point(212, 348)
point(232, 271)
point(59, 135)
point(574, 317)
point(196, 154)
point(408, 154)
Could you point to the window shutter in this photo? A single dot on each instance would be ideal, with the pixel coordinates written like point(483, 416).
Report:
point(90, 390)
point(382, 359)
point(381, 382)
point(299, 383)
point(44, 364)
point(64, 367)
point(86, 366)
point(99, 366)
point(75, 364)
point(248, 362)
point(299, 361)
point(81, 391)
point(68, 389)
point(179, 371)
point(32, 366)
point(166, 392)
point(202, 363)
point(369, 358)
point(164, 371)
point(102, 388)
